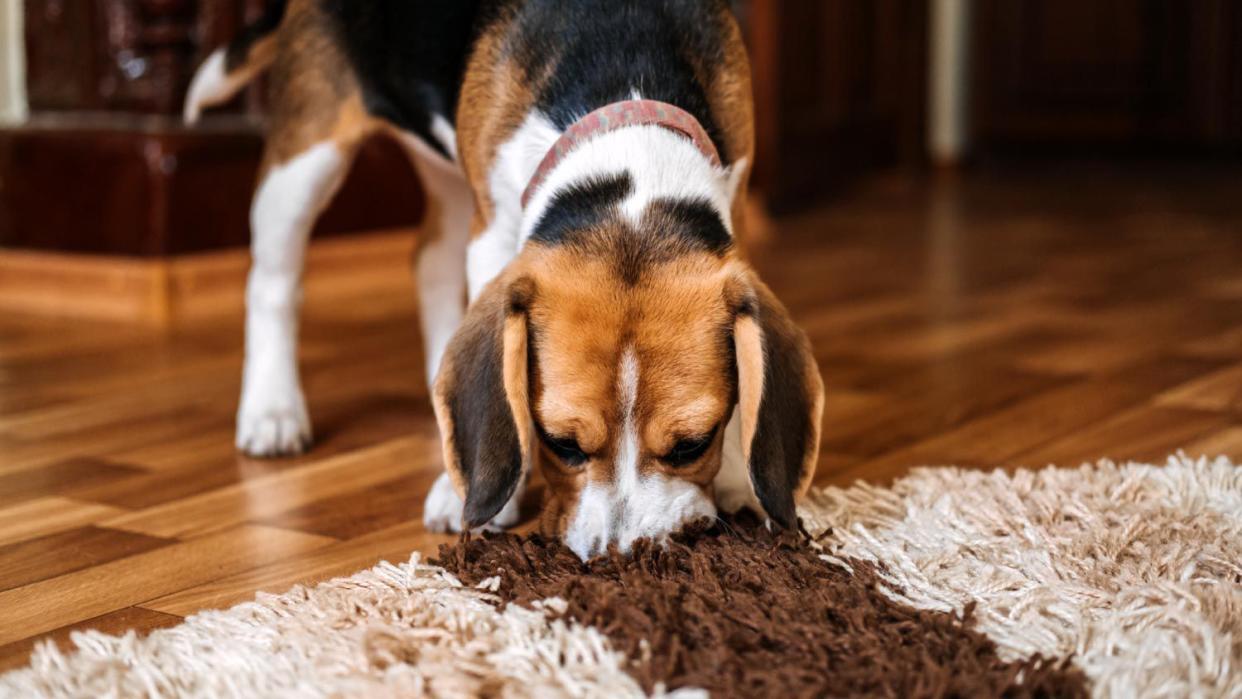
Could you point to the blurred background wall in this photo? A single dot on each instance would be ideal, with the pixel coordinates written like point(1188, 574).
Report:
point(1106, 78)
point(95, 161)
point(100, 162)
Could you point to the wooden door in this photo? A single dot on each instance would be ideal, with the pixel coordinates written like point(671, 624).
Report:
point(1058, 76)
point(840, 89)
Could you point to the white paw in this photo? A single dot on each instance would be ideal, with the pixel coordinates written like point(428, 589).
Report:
point(511, 514)
point(273, 432)
point(734, 500)
point(734, 491)
point(442, 508)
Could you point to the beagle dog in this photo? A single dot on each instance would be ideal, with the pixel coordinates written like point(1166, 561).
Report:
point(586, 165)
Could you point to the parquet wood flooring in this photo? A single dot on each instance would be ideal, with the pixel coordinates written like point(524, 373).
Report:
point(982, 321)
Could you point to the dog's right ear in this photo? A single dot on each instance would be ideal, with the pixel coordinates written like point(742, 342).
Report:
point(481, 399)
point(780, 399)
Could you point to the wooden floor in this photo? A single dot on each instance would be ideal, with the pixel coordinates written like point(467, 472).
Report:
point(991, 321)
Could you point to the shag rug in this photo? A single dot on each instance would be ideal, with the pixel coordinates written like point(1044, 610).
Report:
point(1106, 580)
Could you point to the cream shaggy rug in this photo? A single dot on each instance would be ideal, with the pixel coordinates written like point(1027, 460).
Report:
point(1133, 572)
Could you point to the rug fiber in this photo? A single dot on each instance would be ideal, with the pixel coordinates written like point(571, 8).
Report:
point(1116, 580)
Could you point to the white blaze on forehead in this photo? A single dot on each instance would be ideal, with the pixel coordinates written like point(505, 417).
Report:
point(627, 451)
point(632, 505)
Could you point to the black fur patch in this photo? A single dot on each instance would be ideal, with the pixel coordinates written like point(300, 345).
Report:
point(410, 55)
point(238, 50)
point(670, 227)
point(584, 54)
point(694, 221)
point(581, 206)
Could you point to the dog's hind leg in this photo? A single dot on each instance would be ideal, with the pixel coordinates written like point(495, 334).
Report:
point(440, 256)
point(272, 419)
point(304, 165)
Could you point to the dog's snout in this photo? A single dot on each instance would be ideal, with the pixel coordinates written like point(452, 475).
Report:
point(606, 517)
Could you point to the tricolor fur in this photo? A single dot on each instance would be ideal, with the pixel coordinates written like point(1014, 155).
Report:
point(614, 336)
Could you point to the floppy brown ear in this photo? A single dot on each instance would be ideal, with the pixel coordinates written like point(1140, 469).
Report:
point(780, 400)
point(482, 402)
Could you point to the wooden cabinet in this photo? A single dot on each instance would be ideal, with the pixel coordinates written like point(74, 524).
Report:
point(840, 89)
point(1086, 76)
point(122, 55)
point(105, 164)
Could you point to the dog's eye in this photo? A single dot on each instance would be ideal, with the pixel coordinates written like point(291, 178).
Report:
point(687, 451)
point(565, 448)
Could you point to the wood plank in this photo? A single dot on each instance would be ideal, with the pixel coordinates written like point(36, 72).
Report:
point(354, 513)
point(394, 544)
point(928, 402)
point(67, 599)
point(136, 619)
point(80, 286)
point(255, 499)
point(33, 560)
point(998, 437)
point(1220, 390)
point(1145, 434)
point(61, 478)
point(161, 291)
point(1084, 355)
point(196, 465)
point(1226, 442)
point(37, 517)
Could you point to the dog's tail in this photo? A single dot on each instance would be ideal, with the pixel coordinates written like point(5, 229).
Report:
point(230, 68)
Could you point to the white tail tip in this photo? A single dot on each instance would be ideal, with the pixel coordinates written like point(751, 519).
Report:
point(211, 85)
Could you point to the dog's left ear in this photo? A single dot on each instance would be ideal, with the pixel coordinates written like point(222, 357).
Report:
point(780, 398)
point(481, 399)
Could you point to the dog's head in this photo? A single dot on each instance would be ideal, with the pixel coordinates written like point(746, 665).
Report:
point(615, 355)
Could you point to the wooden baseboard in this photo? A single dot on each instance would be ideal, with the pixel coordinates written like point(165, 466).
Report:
point(168, 290)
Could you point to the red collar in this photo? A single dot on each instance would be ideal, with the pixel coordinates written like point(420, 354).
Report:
point(614, 116)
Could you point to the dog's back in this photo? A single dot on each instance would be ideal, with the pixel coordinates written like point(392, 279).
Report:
point(406, 60)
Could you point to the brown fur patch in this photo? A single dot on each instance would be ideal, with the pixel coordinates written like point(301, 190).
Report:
point(731, 99)
point(675, 320)
point(704, 331)
point(495, 99)
point(314, 94)
point(748, 340)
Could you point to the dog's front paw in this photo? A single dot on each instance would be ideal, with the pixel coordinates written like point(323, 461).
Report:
point(732, 500)
point(511, 514)
point(274, 431)
point(442, 508)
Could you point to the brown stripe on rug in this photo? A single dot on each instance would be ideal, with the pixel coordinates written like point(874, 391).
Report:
point(742, 612)
point(1135, 569)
